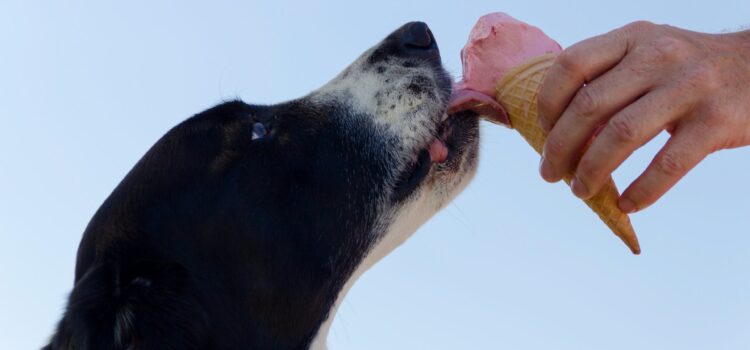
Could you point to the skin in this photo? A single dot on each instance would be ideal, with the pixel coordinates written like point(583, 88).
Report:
point(628, 85)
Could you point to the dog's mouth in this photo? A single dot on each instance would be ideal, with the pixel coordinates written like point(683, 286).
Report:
point(442, 152)
point(446, 144)
point(463, 104)
point(438, 148)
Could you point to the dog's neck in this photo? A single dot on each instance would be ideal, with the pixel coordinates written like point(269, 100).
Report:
point(404, 224)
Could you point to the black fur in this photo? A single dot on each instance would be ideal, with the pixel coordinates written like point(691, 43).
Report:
point(219, 240)
point(197, 232)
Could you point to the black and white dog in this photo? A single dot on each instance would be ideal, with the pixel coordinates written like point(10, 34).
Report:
point(245, 226)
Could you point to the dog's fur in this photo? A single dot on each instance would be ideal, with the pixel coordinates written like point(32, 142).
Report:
point(245, 225)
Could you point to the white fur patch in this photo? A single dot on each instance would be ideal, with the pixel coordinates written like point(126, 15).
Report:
point(385, 96)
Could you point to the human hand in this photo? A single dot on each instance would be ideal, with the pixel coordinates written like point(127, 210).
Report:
point(628, 85)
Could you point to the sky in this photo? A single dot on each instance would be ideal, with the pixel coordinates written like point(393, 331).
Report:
point(87, 87)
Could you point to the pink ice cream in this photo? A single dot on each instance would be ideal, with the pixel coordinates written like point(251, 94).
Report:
point(497, 43)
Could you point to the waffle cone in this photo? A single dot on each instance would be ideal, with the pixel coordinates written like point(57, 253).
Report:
point(517, 93)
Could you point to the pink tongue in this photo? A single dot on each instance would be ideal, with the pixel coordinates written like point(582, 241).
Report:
point(438, 151)
point(466, 99)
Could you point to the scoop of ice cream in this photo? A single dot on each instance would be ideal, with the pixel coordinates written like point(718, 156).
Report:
point(497, 43)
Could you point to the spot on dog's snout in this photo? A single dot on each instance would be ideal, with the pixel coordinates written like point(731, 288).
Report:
point(379, 99)
point(415, 88)
point(259, 131)
point(380, 69)
point(420, 84)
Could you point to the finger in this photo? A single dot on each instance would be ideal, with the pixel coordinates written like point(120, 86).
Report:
point(626, 131)
point(576, 65)
point(592, 105)
point(684, 150)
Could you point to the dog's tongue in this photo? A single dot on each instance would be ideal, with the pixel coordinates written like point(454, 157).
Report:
point(438, 151)
point(497, 43)
point(464, 99)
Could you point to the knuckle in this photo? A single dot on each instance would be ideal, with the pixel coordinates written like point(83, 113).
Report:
point(588, 170)
point(645, 55)
point(670, 48)
point(569, 60)
point(639, 66)
point(553, 149)
point(586, 102)
point(624, 129)
point(639, 26)
point(661, 51)
point(671, 163)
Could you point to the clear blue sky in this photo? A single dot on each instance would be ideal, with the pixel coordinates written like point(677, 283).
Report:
point(513, 263)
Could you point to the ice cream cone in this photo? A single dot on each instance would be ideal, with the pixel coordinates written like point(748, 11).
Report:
point(517, 93)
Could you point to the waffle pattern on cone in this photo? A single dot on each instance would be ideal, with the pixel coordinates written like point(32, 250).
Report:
point(517, 93)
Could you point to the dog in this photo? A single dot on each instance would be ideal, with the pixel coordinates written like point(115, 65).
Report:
point(244, 226)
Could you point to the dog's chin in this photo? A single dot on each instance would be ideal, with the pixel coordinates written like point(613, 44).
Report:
point(447, 162)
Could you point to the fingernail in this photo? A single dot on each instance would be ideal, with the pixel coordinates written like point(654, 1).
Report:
point(579, 189)
point(627, 205)
point(546, 170)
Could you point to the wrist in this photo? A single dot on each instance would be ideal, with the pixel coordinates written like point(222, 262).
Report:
point(742, 40)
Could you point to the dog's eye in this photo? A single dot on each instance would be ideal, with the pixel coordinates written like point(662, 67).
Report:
point(259, 131)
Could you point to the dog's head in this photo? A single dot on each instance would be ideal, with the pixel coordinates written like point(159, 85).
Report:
point(368, 157)
point(374, 152)
point(285, 205)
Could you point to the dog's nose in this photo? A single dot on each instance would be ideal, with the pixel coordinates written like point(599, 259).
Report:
point(417, 35)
